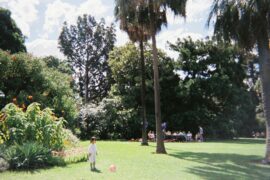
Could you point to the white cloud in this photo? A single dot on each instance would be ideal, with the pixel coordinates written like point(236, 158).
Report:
point(109, 19)
point(171, 36)
point(59, 11)
point(121, 37)
point(24, 12)
point(44, 47)
point(197, 11)
point(55, 14)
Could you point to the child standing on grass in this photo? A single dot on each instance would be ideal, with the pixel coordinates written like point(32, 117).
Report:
point(92, 153)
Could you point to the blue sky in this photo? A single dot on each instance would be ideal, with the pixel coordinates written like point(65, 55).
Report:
point(41, 21)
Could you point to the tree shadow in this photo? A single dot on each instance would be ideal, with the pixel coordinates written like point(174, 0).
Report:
point(241, 141)
point(225, 166)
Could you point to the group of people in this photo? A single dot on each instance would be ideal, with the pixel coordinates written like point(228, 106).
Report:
point(179, 136)
point(258, 134)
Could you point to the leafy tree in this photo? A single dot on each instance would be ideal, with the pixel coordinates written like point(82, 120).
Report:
point(86, 45)
point(25, 79)
point(123, 62)
point(58, 64)
point(212, 90)
point(11, 37)
point(247, 22)
point(136, 33)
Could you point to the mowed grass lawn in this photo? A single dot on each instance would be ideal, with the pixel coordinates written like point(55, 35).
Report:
point(236, 159)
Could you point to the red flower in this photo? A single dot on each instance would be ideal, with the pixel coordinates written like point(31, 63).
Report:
point(30, 98)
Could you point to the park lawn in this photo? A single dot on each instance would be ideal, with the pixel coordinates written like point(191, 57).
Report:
point(237, 159)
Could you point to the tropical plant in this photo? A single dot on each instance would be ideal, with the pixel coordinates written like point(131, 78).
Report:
point(152, 16)
point(30, 155)
point(136, 33)
point(247, 22)
point(34, 125)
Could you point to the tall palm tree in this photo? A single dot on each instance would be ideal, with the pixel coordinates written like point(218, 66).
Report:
point(151, 14)
point(157, 11)
point(139, 34)
point(248, 23)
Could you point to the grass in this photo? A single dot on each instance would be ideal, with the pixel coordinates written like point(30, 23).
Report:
point(237, 159)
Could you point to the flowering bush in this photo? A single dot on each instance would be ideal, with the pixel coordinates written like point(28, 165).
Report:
point(25, 79)
point(70, 140)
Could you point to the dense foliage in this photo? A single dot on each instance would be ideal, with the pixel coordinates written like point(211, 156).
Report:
point(212, 90)
point(25, 79)
point(35, 125)
point(124, 62)
point(119, 116)
point(30, 156)
point(87, 45)
point(206, 86)
point(102, 120)
point(11, 37)
point(247, 24)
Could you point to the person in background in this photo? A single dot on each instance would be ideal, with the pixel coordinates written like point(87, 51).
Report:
point(189, 136)
point(201, 133)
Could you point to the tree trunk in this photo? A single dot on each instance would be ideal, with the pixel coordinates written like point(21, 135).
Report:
point(86, 97)
point(143, 108)
point(160, 144)
point(264, 60)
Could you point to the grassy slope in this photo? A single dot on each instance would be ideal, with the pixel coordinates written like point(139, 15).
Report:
point(210, 160)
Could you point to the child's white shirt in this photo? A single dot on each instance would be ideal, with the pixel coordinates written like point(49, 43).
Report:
point(93, 152)
point(92, 149)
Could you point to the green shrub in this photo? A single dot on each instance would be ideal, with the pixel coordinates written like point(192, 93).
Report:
point(29, 156)
point(34, 125)
point(25, 79)
point(3, 147)
point(108, 120)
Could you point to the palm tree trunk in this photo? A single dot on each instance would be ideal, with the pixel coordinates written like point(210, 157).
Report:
point(86, 97)
point(144, 135)
point(264, 60)
point(160, 144)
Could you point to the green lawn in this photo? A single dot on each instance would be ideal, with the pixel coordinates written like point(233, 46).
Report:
point(210, 160)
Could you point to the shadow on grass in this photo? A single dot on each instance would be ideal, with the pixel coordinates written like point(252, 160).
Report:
point(96, 171)
point(240, 141)
point(225, 166)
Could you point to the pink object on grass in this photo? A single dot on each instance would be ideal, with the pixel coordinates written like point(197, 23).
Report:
point(112, 168)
